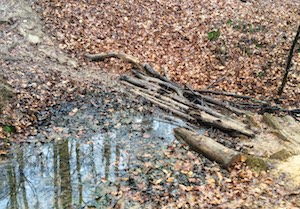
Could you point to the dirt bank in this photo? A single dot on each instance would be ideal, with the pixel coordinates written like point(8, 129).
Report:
point(40, 74)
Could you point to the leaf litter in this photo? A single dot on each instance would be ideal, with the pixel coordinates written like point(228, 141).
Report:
point(227, 45)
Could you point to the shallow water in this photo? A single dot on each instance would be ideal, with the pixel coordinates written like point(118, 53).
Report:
point(64, 164)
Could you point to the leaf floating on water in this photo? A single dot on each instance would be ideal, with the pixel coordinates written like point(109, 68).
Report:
point(73, 112)
point(118, 125)
point(3, 152)
point(111, 110)
point(158, 181)
point(170, 180)
point(147, 155)
point(146, 135)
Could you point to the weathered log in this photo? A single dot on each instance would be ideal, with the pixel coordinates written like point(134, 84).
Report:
point(197, 97)
point(225, 124)
point(217, 152)
point(209, 148)
point(159, 81)
point(206, 109)
point(230, 94)
point(164, 106)
point(164, 99)
point(141, 83)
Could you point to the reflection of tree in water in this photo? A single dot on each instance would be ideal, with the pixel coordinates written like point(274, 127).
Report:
point(112, 157)
point(55, 180)
point(17, 183)
point(67, 173)
point(64, 173)
point(64, 184)
point(107, 155)
point(12, 187)
point(78, 167)
point(22, 178)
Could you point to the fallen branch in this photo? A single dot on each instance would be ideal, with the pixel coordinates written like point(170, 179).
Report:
point(165, 106)
point(209, 148)
point(197, 97)
point(225, 94)
point(125, 57)
point(153, 73)
point(141, 83)
point(172, 97)
point(217, 152)
point(159, 81)
point(225, 124)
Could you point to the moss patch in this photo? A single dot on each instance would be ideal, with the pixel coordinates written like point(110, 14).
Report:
point(256, 164)
point(281, 155)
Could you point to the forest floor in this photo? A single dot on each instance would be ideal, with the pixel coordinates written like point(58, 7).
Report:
point(222, 45)
point(238, 47)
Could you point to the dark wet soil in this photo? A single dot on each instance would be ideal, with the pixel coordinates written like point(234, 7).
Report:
point(79, 147)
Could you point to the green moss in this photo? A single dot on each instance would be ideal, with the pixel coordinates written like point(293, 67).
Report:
point(281, 155)
point(256, 163)
point(230, 22)
point(214, 35)
point(9, 128)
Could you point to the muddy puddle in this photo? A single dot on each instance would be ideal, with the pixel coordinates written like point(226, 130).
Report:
point(79, 147)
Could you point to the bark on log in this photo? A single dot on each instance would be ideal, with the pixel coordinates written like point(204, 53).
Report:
point(225, 124)
point(230, 94)
point(209, 148)
point(214, 101)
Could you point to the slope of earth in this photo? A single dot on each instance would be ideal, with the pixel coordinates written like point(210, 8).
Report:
point(40, 74)
point(225, 45)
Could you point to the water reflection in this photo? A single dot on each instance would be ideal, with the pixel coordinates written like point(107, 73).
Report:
point(66, 173)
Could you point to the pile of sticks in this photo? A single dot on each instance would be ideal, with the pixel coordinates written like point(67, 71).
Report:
point(194, 106)
point(191, 105)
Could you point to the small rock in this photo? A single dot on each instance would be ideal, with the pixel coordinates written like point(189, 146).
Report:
point(72, 63)
point(33, 39)
point(126, 120)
